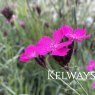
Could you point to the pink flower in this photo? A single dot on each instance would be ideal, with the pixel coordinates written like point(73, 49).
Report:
point(93, 85)
point(29, 52)
point(47, 45)
point(78, 34)
point(91, 65)
point(22, 23)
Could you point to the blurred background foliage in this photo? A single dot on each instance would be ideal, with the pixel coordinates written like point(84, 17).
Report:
point(30, 21)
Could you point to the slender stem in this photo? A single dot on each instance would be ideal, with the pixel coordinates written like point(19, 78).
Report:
point(82, 87)
point(9, 89)
point(68, 86)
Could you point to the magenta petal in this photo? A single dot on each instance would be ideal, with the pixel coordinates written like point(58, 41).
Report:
point(57, 36)
point(29, 49)
point(61, 45)
point(93, 85)
point(87, 36)
point(67, 29)
point(24, 58)
point(92, 62)
point(80, 32)
point(42, 49)
point(43, 46)
point(46, 40)
point(60, 52)
point(90, 66)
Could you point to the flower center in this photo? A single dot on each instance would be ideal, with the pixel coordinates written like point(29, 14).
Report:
point(53, 46)
point(33, 54)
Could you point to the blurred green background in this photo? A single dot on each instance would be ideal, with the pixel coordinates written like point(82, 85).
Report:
point(31, 20)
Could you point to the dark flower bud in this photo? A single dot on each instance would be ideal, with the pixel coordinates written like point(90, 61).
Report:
point(7, 13)
point(46, 24)
point(38, 9)
point(41, 61)
point(63, 61)
point(5, 33)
